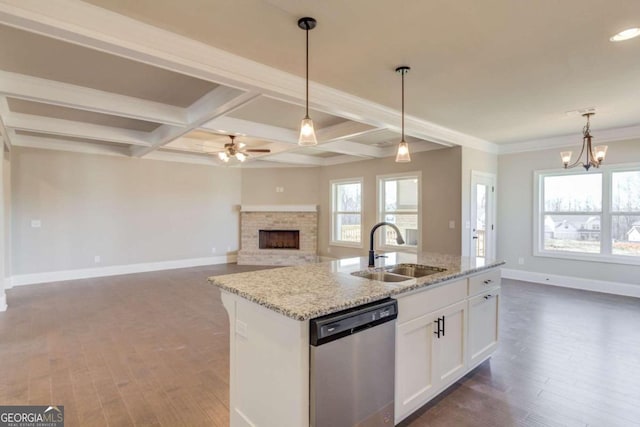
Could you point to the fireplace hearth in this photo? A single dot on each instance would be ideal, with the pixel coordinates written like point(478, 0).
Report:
point(279, 239)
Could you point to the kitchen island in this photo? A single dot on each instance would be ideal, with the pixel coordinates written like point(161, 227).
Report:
point(269, 313)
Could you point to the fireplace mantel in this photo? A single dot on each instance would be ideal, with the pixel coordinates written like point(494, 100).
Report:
point(278, 208)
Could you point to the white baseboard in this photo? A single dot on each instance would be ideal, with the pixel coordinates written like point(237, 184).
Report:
point(3, 301)
point(616, 288)
point(114, 270)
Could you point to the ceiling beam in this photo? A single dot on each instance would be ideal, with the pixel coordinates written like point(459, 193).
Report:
point(83, 98)
point(72, 146)
point(87, 25)
point(108, 150)
point(293, 158)
point(345, 130)
point(220, 101)
point(351, 148)
point(40, 124)
point(256, 130)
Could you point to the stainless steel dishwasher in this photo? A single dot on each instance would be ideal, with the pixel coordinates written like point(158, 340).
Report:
point(352, 363)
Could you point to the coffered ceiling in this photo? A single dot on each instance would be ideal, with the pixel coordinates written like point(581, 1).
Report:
point(170, 80)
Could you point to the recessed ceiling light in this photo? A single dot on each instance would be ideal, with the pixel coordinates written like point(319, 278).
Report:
point(626, 35)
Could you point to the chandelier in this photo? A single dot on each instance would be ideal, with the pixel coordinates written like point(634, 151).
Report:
point(593, 157)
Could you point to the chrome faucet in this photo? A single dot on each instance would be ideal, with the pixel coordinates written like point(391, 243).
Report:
point(399, 240)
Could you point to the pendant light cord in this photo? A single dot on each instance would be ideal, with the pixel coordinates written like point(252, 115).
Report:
point(307, 103)
point(403, 72)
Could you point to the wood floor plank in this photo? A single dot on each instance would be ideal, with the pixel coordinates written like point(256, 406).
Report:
point(152, 350)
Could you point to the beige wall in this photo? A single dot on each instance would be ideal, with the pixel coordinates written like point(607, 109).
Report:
point(441, 175)
point(515, 215)
point(125, 210)
point(472, 160)
point(300, 186)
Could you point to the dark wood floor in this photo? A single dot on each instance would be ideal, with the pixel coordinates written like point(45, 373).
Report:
point(152, 349)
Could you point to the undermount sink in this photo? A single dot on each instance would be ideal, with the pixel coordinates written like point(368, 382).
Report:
point(399, 272)
point(381, 276)
point(414, 270)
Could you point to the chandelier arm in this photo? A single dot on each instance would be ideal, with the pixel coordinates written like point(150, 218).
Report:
point(590, 154)
point(578, 162)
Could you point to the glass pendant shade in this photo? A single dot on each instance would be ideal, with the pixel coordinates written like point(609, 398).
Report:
point(241, 157)
point(223, 156)
point(307, 133)
point(600, 152)
point(566, 157)
point(403, 155)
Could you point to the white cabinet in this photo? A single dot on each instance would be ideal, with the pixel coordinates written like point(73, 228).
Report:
point(430, 354)
point(441, 334)
point(483, 325)
point(449, 347)
point(414, 361)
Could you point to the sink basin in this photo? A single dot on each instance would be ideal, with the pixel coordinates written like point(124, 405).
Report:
point(382, 276)
point(414, 270)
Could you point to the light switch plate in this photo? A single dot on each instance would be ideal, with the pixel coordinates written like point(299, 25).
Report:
point(452, 224)
point(36, 223)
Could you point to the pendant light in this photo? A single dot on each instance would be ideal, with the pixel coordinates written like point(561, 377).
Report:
point(403, 155)
point(307, 132)
point(593, 156)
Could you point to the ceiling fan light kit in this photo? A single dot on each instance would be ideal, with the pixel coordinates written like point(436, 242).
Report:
point(307, 131)
point(238, 151)
point(593, 156)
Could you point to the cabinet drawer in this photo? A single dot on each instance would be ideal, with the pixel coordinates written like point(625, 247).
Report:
point(484, 281)
point(428, 300)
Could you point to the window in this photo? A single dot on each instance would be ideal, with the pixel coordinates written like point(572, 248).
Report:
point(398, 203)
point(346, 212)
point(589, 215)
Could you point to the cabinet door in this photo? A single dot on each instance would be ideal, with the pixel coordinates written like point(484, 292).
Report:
point(483, 325)
point(449, 348)
point(414, 377)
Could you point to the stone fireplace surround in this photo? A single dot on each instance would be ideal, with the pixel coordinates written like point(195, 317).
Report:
point(254, 218)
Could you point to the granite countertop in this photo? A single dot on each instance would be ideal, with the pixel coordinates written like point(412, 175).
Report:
point(313, 290)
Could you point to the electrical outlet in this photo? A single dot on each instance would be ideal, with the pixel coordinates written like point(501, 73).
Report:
point(228, 248)
point(279, 189)
point(452, 224)
point(213, 250)
point(36, 223)
point(97, 259)
point(521, 260)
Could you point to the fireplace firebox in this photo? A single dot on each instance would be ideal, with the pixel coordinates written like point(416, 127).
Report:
point(279, 239)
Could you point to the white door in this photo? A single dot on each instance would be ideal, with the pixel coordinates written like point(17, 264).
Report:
point(482, 232)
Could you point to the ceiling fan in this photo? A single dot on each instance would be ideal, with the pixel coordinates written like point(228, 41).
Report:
point(237, 150)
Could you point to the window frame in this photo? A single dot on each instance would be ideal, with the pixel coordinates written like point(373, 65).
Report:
point(333, 193)
point(606, 255)
point(381, 212)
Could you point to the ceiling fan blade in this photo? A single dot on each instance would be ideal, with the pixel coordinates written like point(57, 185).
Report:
point(258, 150)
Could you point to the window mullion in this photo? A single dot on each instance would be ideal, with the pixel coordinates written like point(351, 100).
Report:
point(605, 219)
